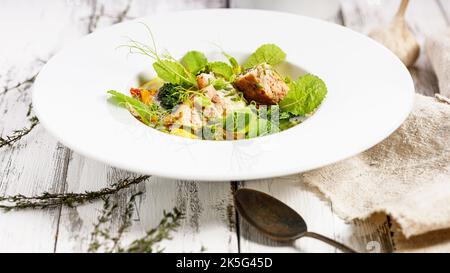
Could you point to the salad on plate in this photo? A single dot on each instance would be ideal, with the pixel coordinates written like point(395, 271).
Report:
point(203, 99)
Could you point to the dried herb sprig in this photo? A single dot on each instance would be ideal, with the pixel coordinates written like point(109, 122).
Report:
point(100, 236)
point(101, 239)
point(126, 223)
point(27, 82)
point(18, 134)
point(100, 232)
point(54, 200)
point(147, 244)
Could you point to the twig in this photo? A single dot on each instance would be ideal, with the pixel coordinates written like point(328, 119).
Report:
point(19, 134)
point(19, 85)
point(30, 109)
point(104, 217)
point(101, 239)
point(94, 18)
point(126, 223)
point(123, 14)
point(169, 223)
point(50, 200)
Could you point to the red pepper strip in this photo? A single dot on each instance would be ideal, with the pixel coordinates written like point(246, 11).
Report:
point(135, 92)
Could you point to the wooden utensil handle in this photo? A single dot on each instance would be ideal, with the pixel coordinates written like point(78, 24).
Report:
point(403, 7)
point(329, 241)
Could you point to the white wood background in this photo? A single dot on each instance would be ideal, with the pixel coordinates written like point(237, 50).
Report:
point(32, 31)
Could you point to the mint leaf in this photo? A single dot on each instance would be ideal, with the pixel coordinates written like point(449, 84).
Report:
point(221, 69)
point(269, 53)
point(194, 61)
point(305, 95)
point(173, 72)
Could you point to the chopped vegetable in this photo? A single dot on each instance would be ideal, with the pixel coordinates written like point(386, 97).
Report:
point(169, 96)
point(146, 97)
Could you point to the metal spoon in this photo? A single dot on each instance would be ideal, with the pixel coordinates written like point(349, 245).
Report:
point(398, 37)
point(275, 219)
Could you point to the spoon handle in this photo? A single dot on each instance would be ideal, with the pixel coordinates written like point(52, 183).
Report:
point(329, 241)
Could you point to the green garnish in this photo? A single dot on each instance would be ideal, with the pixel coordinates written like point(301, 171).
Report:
point(165, 65)
point(173, 72)
point(145, 112)
point(194, 61)
point(169, 96)
point(221, 69)
point(270, 54)
point(234, 64)
point(305, 95)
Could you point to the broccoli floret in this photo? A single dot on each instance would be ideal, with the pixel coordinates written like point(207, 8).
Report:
point(169, 96)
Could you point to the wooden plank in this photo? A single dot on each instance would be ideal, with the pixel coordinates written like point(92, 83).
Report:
point(445, 6)
point(208, 225)
point(37, 163)
point(210, 220)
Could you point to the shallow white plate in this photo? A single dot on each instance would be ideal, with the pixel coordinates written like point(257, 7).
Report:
point(370, 95)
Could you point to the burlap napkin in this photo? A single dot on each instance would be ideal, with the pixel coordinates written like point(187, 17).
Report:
point(407, 176)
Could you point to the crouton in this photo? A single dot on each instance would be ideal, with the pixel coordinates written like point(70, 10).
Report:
point(263, 85)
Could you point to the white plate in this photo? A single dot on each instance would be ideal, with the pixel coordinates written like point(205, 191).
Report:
point(370, 95)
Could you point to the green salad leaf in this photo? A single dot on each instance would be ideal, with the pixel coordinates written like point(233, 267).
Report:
point(173, 72)
point(135, 105)
point(221, 69)
point(234, 64)
point(194, 61)
point(269, 53)
point(305, 95)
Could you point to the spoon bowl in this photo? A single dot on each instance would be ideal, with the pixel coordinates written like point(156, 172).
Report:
point(275, 219)
point(269, 215)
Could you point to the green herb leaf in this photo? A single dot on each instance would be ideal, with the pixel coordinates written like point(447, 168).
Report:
point(221, 69)
point(220, 84)
point(234, 64)
point(132, 104)
point(269, 53)
point(194, 61)
point(305, 95)
point(173, 72)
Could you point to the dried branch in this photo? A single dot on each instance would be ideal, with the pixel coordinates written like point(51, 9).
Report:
point(146, 244)
point(101, 239)
point(19, 134)
point(126, 223)
point(50, 200)
point(95, 17)
point(124, 13)
point(25, 82)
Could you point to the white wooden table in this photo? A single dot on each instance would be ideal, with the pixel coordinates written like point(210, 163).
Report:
point(33, 30)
